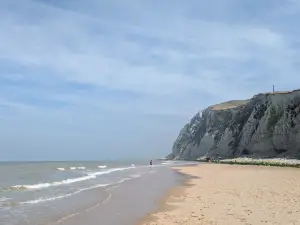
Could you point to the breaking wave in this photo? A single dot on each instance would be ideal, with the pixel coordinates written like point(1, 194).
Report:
point(46, 199)
point(71, 168)
point(89, 176)
point(102, 167)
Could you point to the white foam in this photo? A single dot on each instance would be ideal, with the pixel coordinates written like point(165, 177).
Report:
point(3, 199)
point(109, 171)
point(123, 180)
point(102, 167)
point(67, 181)
point(71, 168)
point(57, 183)
point(89, 176)
point(45, 199)
point(80, 168)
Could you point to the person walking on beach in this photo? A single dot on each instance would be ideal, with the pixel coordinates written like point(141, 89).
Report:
point(151, 163)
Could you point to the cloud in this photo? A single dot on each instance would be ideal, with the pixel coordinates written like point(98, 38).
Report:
point(289, 7)
point(75, 66)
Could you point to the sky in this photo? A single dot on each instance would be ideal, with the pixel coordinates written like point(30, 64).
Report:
point(116, 79)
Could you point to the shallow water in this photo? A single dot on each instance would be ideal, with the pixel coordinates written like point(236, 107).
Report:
point(39, 193)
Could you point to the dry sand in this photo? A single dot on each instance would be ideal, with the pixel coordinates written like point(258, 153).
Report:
point(232, 194)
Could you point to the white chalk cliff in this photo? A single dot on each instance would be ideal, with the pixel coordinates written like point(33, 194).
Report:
point(267, 125)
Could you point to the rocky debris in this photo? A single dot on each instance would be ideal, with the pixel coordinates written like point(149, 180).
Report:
point(266, 162)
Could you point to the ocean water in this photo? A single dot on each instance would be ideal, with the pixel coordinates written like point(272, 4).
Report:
point(44, 192)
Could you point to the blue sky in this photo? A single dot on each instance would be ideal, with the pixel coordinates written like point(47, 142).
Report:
point(112, 79)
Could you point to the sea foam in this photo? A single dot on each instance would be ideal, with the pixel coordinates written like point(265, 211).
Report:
point(45, 199)
point(89, 176)
point(102, 167)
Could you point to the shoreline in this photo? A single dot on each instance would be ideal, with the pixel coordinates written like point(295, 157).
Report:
point(231, 194)
point(162, 204)
point(125, 203)
point(116, 196)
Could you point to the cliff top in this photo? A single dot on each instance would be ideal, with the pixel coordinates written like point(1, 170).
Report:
point(279, 92)
point(229, 104)
point(276, 92)
point(236, 103)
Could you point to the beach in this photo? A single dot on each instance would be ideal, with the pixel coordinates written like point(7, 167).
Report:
point(231, 194)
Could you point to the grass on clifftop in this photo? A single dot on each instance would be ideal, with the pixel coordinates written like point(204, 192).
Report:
point(229, 104)
point(277, 92)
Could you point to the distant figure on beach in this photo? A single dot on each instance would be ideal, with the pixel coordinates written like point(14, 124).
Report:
point(151, 163)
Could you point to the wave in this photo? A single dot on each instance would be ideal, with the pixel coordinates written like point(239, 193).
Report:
point(102, 167)
point(45, 185)
point(71, 168)
point(89, 176)
point(108, 171)
point(3, 199)
point(46, 199)
point(123, 180)
point(80, 168)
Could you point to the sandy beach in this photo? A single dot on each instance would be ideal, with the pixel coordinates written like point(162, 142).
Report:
point(232, 194)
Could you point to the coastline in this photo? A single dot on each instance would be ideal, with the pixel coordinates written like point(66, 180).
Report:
point(163, 205)
point(126, 203)
point(113, 195)
point(231, 194)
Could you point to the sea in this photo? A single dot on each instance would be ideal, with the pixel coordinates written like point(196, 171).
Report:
point(40, 193)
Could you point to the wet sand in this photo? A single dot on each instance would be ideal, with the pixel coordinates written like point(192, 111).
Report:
point(232, 194)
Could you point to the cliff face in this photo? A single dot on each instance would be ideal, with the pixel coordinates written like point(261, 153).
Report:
point(267, 125)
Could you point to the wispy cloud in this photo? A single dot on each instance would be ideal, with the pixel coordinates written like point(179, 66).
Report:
point(79, 65)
